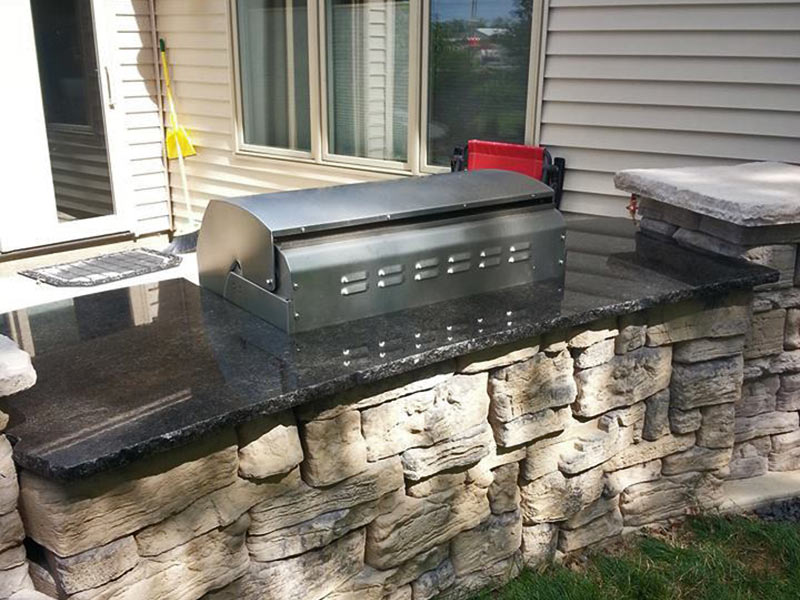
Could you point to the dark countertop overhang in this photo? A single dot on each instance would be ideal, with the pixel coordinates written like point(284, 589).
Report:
point(130, 372)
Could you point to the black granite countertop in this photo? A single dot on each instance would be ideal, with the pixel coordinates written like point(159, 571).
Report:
point(130, 372)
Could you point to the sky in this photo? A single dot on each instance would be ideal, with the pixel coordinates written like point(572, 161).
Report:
point(460, 9)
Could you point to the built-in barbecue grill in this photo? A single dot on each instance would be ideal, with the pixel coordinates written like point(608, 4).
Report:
point(310, 258)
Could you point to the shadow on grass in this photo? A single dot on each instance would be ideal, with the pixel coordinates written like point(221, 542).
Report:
point(710, 558)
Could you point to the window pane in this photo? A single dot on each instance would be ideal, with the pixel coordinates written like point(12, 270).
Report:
point(367, 58)
point(478, 73)
point(273, 56)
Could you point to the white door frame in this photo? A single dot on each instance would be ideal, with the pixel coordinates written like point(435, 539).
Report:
point(28, 214)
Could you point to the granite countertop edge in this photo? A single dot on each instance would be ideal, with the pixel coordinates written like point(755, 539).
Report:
point(126, 455)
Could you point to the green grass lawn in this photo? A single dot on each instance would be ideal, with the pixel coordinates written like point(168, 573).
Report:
point(710, 558)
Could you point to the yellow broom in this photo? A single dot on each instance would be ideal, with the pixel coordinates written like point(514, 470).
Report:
point(179, 146)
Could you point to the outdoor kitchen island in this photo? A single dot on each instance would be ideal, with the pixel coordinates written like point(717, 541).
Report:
point(176, 446)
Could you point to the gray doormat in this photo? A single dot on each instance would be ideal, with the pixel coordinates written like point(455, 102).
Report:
point(105, 268)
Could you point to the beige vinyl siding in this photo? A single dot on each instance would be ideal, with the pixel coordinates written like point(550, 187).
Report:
point(138, 97)
point(200, 61)
point(655, 83)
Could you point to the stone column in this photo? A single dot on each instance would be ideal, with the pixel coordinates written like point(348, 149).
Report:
point(16, 374)
point(749, 212)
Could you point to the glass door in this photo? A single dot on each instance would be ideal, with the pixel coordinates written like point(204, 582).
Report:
point(78, 109)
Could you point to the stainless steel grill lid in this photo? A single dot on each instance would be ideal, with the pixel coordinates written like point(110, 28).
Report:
point(310, 258)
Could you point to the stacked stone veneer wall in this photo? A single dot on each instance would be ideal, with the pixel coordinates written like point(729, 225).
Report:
point(433, 484)
point(767, 432)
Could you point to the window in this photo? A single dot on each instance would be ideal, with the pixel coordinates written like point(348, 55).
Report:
point(477, 73)
point(367, 75)
point(273, 59)
point(340, 80)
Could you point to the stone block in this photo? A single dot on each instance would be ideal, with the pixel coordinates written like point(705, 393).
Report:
point(788, 460)
point(602, 506)
point(291, 501)
point(656, 416)
point(717, 428)
point(531, 386)
point(585, 336)
point(9, 488)
point(750, 458)
point(791, 332)
point(632, 333)
point(95, 567)
point(310, 535)
point(657, 500)
point(653, 209)
point(703, 384)
point(765, 424)
point(756, 368)
point(373, 584)
point(14, 580)
point(269, 446)
point(555, 497)
point(496, 538)
point(595, 447)
point(407, 526)
point(434, 582)
point(657, 227)
point(217, 509)
point(16, 370)
point(788, 394)
point(765, 336)
point(11, 531)
point(696, 459)
point(604, 527)
point(674, 323)
point(623, 381)
point(334, 449)
point(543, 455)
point(462, 450)
point(786, 298)
point(205, 563)
point(498, 357)
point(12, 557)
point(594, 355)
point(379, 392)
point(427, 417)
point(531, 426)
point(618, 481)
point(748, 466)
point(646, 451)
point(684, 421)
point(693, 351)
point(441, 482)
point(491, 576)
point(758, 396)
point(310, 576)
point(749, 236)
point(68, 518)
point(504, 493)
point(539, 544)
point(42, 580)
point(785, 441)
point(785, 362)
point(414, 568)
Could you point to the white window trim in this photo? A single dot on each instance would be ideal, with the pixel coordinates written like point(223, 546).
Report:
point(419, 32)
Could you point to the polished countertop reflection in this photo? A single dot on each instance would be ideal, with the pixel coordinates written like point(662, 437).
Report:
point(126, 373)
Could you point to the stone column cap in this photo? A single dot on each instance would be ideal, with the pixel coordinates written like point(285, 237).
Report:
point(750, 194)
